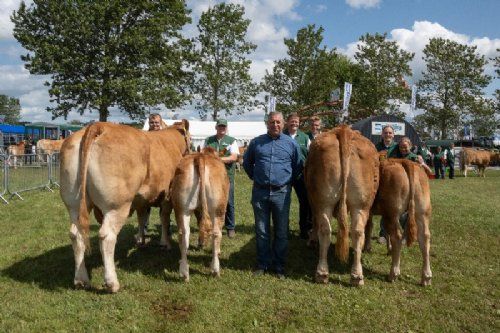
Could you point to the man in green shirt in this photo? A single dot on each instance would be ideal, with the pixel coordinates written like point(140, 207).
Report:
point(450, 160)
point(305, 214)
point(228, 151)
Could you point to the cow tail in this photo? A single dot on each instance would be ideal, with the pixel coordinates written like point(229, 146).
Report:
point(205, 227)
point(83, 214)
point(411, 224)
point(342, 244)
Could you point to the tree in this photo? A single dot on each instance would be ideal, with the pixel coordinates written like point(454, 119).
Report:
point(223, 82)
point(309, 73)
point(10, 108)
point(496, 63)
point(382, 86)
point(452, 84)
point(102, 54)
point(485, 118)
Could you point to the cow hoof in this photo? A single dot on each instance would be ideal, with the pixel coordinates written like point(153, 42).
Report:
point(426, 282)
point(392, 277)
point(367, 249)
point(112, 287)
point(321, 278)
point(167, 247)
point(82, 285)
point(357, 281)
point(216, 274)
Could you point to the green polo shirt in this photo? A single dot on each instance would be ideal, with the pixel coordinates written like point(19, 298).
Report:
point(301, 138)
point(222, 147)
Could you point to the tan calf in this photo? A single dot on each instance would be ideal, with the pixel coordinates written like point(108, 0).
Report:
point(479, 158)
point(341, 176)
point(46, 146)
point(200, 185)
point(403, 189)
point(115, 170)
point(16, 150)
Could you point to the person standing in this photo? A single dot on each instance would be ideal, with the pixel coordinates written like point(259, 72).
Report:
point(439, 163)
point(228, 151)
point(385, 147)
point(273, 162)
point(450, 161)
point(315, 124)
point(305, 214)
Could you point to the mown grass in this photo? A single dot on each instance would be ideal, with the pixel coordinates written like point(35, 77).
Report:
point(36, 274)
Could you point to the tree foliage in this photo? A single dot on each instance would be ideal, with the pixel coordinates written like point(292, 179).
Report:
point(10, 108)
point(452, 84)
point(102, 54)
point(223, 82)
point(381, 87)
point(485, 119)
point(309, 73)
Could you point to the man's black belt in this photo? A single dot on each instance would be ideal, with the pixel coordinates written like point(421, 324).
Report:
point(271, 187)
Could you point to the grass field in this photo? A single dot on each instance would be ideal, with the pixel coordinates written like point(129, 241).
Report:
point(36, 274)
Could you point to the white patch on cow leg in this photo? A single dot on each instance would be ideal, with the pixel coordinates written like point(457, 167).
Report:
point(396, 240)
point(184, 231)
point(81, 276)
point(111, 226)
point(216, 240)
point(424, 241)
point(324, 234)
point(358, 223)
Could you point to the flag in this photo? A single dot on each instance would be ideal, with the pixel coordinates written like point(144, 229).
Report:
point(347, 95)
point(413, 97)
point(272, 103)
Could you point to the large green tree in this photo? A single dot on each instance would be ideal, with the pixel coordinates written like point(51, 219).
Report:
point(309, 73)
point(10, 109)
point(451, 85)
point(103, 54)
point(223, 83)
point(381, 87)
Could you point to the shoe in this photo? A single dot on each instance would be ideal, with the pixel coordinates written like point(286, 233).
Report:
point(382, 240)
point(280, 276)
point(258, 272)
point(231, 233)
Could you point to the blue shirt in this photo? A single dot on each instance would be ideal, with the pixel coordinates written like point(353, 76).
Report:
point(269, 161)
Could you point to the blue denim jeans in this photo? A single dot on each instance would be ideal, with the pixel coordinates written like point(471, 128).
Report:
point(276, 204)
point(229, 219)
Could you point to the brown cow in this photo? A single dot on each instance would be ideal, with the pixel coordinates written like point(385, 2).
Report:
point(200, 185)
point(46, 146)
point(479, 158)
point(239, 161)
point(16, 150)
point(116, 169)
point(341, 174)
point(403, 191)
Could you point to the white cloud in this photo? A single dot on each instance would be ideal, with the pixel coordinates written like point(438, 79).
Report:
point(363, 3)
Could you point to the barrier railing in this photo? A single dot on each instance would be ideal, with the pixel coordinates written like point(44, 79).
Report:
point(3, 178)
point(54, 170)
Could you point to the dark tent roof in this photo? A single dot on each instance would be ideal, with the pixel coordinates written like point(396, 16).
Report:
point(372, 127)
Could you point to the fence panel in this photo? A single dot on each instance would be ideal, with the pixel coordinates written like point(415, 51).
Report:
point(3, 178)
point(54, 169)
point(26, 172)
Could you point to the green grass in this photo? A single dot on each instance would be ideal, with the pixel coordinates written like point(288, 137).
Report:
point(36, 274)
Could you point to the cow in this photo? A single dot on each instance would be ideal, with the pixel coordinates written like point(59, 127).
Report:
point(479, 158)
point(16, 150)
point(239, 161)
point(200, 185)
point(403, 191)
point(46, 146)
point(341, 175)
point(116, 170)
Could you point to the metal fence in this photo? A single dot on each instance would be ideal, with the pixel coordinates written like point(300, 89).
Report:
point(27, 172)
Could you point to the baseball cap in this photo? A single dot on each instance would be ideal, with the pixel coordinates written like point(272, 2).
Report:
point(221, 122)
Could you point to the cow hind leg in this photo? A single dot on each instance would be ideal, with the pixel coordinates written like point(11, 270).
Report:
point(183, 219)
point(216, 241)
point(81, 279)
point(142, 217)
point(111, 226)
point(395, 238)
point(324, 232)
point(368, 235)
point(424, 241)
point(358, 224)
point(166, 238)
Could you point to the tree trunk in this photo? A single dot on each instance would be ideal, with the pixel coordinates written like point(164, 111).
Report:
point(103, 112)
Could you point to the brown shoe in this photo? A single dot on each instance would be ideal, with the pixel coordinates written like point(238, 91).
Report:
point(231, 233)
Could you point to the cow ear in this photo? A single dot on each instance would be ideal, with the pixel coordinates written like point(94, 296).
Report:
point(185, 122)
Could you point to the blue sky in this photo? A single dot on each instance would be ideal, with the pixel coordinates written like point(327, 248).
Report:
point(408, 22)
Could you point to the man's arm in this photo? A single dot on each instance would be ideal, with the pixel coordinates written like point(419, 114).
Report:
point(233, 151)
point(297, 163)
point(249, 159)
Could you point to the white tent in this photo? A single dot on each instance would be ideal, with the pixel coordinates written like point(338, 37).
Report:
point(243, 131)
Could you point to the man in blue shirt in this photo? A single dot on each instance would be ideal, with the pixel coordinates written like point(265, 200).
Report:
point(273, 162)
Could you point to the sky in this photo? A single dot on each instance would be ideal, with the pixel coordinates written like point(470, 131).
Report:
point(411, 23)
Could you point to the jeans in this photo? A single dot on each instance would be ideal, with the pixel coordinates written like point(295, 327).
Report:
point(452, 170)
point(269, 203)
point(439, 171)
point(305, 214)
point(229, 219)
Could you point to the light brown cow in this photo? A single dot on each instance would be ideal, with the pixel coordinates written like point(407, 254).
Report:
point(114, 170)
point(14, 151)
point(239, 161)
point(479, 158)
point(341, 175)
point(46, 146)
point(403, 191)
point(200, 185)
